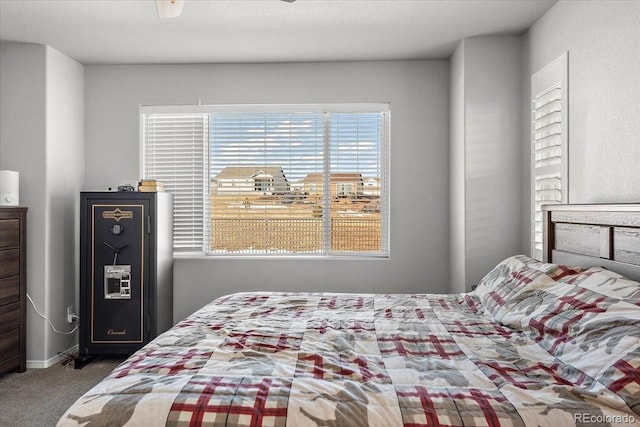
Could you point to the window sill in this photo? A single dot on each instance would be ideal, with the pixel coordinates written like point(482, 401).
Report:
point(202, 256)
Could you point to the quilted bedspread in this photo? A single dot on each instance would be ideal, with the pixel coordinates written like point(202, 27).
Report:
point(535, 344)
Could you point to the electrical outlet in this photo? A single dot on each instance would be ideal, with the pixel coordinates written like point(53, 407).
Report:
point(70, 314)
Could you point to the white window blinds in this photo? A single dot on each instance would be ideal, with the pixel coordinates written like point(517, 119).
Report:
point(174, 152)
point(260, 197)
point(549, 143)
point(273, 182)
point(297, 183)
point(358, 171)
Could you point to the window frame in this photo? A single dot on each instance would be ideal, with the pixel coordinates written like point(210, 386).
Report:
point(383, 108)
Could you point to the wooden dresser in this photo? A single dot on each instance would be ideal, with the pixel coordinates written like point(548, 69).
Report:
point(13, 287)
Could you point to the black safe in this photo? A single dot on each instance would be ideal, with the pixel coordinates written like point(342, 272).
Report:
point(126, 270)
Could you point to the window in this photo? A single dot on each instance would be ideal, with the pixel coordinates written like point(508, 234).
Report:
point(272, 179)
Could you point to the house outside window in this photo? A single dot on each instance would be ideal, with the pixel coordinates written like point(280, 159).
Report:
point(272, 180)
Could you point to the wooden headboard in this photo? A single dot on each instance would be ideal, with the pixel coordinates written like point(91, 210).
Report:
point(593, 235)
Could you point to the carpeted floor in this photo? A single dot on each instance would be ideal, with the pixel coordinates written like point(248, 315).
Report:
point(39, 397)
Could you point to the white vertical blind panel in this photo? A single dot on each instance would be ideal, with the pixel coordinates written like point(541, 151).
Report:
point(174, 153)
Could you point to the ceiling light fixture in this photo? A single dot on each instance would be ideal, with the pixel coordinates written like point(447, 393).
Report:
point(173, 8)
point(169, 8)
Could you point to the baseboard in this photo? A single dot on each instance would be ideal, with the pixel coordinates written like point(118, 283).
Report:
point(43, 364)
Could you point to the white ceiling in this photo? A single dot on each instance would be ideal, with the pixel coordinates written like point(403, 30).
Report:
point(222, 31)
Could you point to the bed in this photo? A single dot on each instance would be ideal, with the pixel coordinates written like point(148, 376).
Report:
point(554, 343)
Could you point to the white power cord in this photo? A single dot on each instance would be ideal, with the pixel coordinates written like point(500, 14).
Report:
point(49, 321)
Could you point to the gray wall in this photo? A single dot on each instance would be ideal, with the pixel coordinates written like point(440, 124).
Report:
point(65, 174)
point(419, 222)
point(457, 178)
point(603, 40)
point(22, 148)
point(41, 136)
point(485, 160)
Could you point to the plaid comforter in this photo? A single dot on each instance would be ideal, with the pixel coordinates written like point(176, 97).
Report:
point(535, 344)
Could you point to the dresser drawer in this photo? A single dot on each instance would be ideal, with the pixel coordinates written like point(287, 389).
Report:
point(9, 262)
point(9, 290)
point(9, 317)
point(9, 233)
point(13, 261)
point(9, 344)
